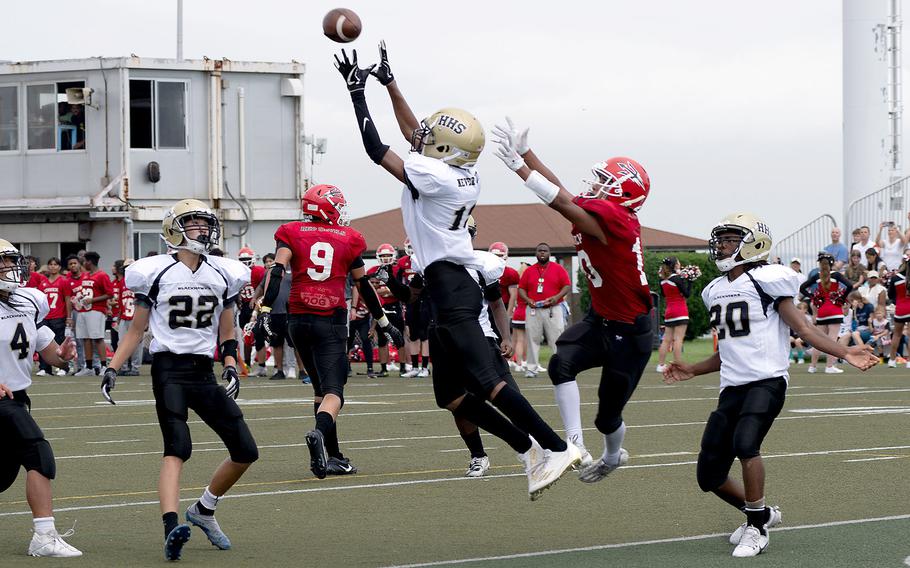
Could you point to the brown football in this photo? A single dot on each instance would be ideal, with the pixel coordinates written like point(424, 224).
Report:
point(341, 25)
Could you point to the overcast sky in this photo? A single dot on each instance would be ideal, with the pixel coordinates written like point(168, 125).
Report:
point(728, 105)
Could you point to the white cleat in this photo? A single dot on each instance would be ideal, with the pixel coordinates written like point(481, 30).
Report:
point(392, 367)
point(51, 544)
point(410, 374)
point(833, 370)
point(812, 368)
point(60, 373)
point(600, 469)
point(41, 373)
point(586, 457)
point(546, 467)
point(260, 371)
point(661, 368)
point(892, 363)
point(478, 467)
point(773, 520)
point(423, 373)
point(752, 543)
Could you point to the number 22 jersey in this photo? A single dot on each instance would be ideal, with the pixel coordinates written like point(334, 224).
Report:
point(753, 340)
point(185, 305)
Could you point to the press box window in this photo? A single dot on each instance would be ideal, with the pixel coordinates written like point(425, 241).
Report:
point(9, 118)
point(52, 122)
point(157, 114)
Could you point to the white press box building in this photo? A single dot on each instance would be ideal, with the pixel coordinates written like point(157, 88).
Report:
point(94, 151)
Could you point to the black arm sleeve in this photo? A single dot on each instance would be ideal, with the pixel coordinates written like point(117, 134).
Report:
point(399, 290)
point(683, 285)
point(892, 289)
point(840, 278)
point(369, 296)
point(372, 144)
point(491, 292)
point(804, 288)
point(271, 293)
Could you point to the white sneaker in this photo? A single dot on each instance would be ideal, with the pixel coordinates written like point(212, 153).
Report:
point(774, 520)
point(833, 370)
point(812, 368)
point(892, 363)
point(549, 467)
point(392, 367)
point(661, 368)
point(423, 373)
point(411, 374)
point(751, 544)
point(270, 361)
point(260, 371)
point(85, 372)
point(600, 469)
point(801, 362)
point(586, 457)
point(51, 544)
point(41, 373)
point(60, 373)
point(478, 467)
point(291, 371)
point(529, 374)
point(406, 367)
point(513, 366)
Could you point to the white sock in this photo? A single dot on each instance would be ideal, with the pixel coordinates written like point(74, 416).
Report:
point(44, 524)
point(613, 443)
point(208, 500)
point(569, 401)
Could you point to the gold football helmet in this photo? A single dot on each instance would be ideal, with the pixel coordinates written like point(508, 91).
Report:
point(754, 247)
point(173, 227)
point(451, 135)
point(13, 267)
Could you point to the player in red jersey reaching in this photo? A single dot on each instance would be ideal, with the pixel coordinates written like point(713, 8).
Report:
point(616, 333)
point(322, 250)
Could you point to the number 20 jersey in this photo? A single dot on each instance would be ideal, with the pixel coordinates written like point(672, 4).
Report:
point(615, 270)
point(322, 256)
point(186, 305)
point(753, 340)
point(20, 336)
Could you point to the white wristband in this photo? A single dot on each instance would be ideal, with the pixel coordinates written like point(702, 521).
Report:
point(383, 321)
point(544, 188)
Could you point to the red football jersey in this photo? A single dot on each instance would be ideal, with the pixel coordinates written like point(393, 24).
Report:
point(403, 269)
point(615, 270)
point(385, 295)
point(36, 280)
point(508, 279)
point(322, 258)
point(92, 286)
point(127, 303)
point(56, 292)
point(116, 289)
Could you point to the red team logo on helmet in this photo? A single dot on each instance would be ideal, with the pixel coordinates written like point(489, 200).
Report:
point(499, 249)
point(385, 254)
point(622, 180)
point(325, 203)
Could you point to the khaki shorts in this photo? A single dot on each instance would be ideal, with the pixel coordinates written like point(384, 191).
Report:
point(90, 325)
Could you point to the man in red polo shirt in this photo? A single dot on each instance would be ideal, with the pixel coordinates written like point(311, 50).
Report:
point(91, 303)
point(543, 286)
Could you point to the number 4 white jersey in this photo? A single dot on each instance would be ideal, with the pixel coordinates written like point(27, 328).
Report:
point(435, 204)
point(185, 305)
point(753, 340)
point(20, 336)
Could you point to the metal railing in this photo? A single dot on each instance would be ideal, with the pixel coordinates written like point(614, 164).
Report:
point(890, 203)
point(805, 242)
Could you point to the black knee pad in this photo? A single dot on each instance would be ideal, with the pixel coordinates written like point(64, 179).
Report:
point(38, 456)
point(243, 449)
point(750, 432)
point(179, 447)
point(712, 471)
point(561, 370)
point(607, 424)
point(9, 470)
point(716, 455)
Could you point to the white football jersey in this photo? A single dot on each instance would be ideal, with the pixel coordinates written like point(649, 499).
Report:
point(20, 336)
point(491, 270)
point(186, 306)
point(753, 340)
point(435, 204)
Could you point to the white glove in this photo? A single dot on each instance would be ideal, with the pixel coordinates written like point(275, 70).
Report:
point(509, 156)
point(517, 137)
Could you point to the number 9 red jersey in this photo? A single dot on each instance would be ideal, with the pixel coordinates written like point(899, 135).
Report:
point(615, 270)
point(322, 256)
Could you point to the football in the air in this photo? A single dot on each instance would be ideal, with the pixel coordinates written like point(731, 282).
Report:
point(341, 25)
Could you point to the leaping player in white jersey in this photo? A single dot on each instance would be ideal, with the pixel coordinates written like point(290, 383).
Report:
point(188, 300)
point(441, 189)
point(752, 310)
point(21, 311)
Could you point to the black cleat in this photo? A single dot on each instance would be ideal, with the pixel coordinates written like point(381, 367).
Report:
point(278, 376)
point(382, 374)
point(173, 544)
point(319, 459)
point(340, 466)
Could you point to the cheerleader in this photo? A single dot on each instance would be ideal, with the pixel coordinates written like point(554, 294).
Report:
point(828, 296)
point(675, 287)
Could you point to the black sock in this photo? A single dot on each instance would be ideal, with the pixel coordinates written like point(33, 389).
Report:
point(248, 360)
point(170, 522)
point(382, 367)
point(203, 510)
point(474, 443)
point(415, 360)
point(517, 408)
point(104, 363)
point(757, 518)
point(324, 422)
point(369, 367)
point(426, 362)
point(316, 408)
point(485, 416)
point(331, 442)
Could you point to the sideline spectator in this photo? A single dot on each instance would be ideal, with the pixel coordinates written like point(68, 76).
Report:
point(508, 287)
point(797, 266)
point(864, 243)
point(132, 365)
point(875, 262)
point(91, 303)
point(892, 246)
point(837, 249)
point(897, 292)
point(35, 278)
point(828, 295)
point(855, 271)
point(881, 334)
point(862, 312)
point(873, 291)
point(543, 287)
point(73, 285)
point(56, 290)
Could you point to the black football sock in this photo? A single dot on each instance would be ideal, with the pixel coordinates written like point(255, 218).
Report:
point(203, 510)
point(415, 360)
point(474, 444)
point(756, 518)
point(426, 362)
point(324, 422)
point(331, 442)
point(383, 367)
point(517, 408)
point(485, 416)
point(170, 522)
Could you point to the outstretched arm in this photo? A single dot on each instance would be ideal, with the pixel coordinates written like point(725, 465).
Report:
point(407, 122)
point(860, 356)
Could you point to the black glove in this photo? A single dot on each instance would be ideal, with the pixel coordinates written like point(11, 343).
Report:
point(108, 382)
point(383, 71)
point(229, 374)
point(264, 322)
point(355, 77)
point(392, 333)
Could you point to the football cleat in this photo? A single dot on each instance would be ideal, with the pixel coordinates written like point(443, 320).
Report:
point(278, 376)
point(173, 544)
point(546, 467)
point(478, 467)
point(600, 469)
point(260, 371)
point(340, 466)
point(51, 544)
point(423, 373)
point(411, 374)
point(812, 369)
point(209, 526)
point(752, 543)
point(382, 374)
point(774, 518)
point(661, 368)
point(319, 459)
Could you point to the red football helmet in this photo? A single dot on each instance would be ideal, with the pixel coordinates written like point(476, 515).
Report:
point(408, 249)
point(622, 180)
point(325, 203)
point(246, 256)
point(499, 249)
point(385, 254)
